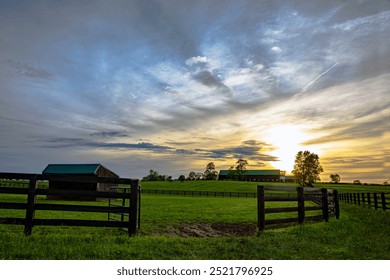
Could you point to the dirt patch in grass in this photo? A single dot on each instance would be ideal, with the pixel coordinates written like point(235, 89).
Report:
point(213, 230)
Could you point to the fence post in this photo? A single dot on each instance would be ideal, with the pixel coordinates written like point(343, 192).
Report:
point(301, 205)
point(260, 208)
point(375, 201)
point(358, 198)
point(133, 208)
point(369, 199)
point(383, 201)
point(30, 211)
point(354, 198)
point(363, 199)
point(336, 204)
point(325, 209)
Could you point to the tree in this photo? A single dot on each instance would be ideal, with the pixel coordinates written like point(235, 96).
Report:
point(210, 173)
point(241, 168)
point(307, 168)
point(182, 178)
point(335, 178)
point(192, 175)
point(232, 173)
point(195, 176)
point(153, 176)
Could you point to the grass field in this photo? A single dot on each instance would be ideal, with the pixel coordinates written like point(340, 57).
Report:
point(168, 224)
point(234, 186)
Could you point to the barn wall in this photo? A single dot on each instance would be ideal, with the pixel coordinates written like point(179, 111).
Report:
point(256, 178)
point(58, 185)
point(102, 172)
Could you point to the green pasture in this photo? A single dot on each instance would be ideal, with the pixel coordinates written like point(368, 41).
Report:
point(236, 186)
point(361, 233)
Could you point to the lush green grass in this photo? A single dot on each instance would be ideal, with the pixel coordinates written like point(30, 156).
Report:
point(234, 186)
point(361, 233)
point(347, 238)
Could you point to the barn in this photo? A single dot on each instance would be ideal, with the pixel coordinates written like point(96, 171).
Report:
point(95, 169)
point(272, 175)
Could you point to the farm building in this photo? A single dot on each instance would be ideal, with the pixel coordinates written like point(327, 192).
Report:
point(254, 175)
point(96, 169)
point(288, 179)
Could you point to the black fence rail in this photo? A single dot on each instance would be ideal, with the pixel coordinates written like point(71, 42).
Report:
point(377, 200)
point(211, 193)
point(199, 193)
point(31, 205)
point(327, 204)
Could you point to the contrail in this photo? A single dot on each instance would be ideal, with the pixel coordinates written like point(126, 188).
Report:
point(319, 76)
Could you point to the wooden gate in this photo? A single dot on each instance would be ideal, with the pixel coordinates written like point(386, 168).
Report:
point(325, 201)
point(31, 206)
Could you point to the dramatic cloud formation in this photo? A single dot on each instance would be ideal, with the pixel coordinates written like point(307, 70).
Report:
point(171, 85)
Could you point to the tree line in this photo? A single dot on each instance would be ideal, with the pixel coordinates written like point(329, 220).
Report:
point(209, 174)
point(307, 170)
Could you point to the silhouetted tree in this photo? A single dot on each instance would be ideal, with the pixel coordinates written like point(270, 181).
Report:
point(232, 173)
point(182, 178)
point(335, 178)
point(241, 168)
point(210, 172)
point(195, 176)
point(154, 176)
point(307, 168)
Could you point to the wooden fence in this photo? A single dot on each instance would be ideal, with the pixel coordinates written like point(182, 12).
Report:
point(327, 203)
point(208, 193)
point(200, 193)
point(376, 200)
point(31, 206)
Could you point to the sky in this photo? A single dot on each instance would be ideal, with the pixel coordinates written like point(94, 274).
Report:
point(172, 85)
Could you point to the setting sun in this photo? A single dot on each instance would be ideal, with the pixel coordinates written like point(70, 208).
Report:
point(287, 141)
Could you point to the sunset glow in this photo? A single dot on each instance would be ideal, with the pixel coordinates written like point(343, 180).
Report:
point(286, 139)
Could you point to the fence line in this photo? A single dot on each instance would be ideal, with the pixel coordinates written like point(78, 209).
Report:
point(199, 193)
point(377, 200)
point(211, 193)
point(327, 202)
point(31, 205)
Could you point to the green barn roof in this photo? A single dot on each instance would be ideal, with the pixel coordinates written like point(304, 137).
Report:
point(275, 172)
point(90, 169)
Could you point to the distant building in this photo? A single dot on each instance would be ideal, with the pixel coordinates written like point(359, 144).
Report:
point(288, 179)
point(273, 175)
point(95, 169)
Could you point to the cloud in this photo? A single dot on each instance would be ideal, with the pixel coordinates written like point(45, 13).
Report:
point(97, 76)
point(109, 134)
point(276, 49)
point(80, 142)
point(27, 70)
point(248, 150)
point(202, 60)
